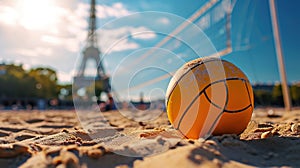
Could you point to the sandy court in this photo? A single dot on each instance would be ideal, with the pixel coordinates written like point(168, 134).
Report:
point(57, 138)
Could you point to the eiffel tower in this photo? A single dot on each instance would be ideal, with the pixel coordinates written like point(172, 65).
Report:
point(92, 52)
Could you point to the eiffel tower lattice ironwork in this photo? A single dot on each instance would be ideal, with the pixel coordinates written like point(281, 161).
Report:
point(92, 52)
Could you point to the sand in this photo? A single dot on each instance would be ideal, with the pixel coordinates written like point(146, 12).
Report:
point(57, 139)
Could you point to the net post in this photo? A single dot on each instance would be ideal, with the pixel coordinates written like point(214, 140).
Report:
point(278, 47)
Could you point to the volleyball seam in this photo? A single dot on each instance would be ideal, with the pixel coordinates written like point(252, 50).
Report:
point(203, 90)
point(221, 113)
point(196, 65)
point(232, 111)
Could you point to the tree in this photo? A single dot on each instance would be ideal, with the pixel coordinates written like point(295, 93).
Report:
point(295, 94)
point(277, 97)
point(15, 82)
point(262, 97)
point(46, 82)
point(65, 92)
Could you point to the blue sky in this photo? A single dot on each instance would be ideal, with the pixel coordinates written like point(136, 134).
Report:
point(259, 61)
point(52, 33)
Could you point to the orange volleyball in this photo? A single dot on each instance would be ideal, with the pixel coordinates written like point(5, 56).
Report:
point(209, 96)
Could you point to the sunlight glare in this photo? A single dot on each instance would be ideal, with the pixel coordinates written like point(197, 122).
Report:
point(37, 14)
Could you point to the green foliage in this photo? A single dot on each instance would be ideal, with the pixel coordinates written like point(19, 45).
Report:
point(295, 94)
point(65, 92)
point(275, 97)
point(39, 82)
point(15, 81)
point(46, 82)
point(99, 85)
point(262, 97)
